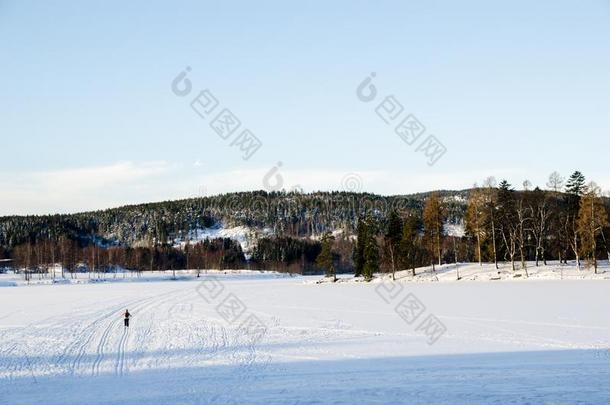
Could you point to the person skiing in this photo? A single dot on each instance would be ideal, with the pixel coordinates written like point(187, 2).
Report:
point(127, 316)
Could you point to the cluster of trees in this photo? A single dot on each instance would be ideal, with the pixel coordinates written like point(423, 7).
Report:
point(287, 214)
point(282, 254)
point(286, 254)
point(404, 240)
point(43, 257)
point(536, 225)
point(128, 225)
point(569, 221)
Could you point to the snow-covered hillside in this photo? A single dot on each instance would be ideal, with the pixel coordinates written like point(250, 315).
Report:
point(244, 235)
point(514, 341)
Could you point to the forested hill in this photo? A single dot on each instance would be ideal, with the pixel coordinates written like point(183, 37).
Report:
point(282, 214)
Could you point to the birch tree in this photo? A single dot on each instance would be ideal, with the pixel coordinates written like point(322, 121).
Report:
point(541, 216)
point(556, 182)
point(523, 219)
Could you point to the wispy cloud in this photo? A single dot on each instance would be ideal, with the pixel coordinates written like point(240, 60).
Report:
point(78, 189)
point(91, 178)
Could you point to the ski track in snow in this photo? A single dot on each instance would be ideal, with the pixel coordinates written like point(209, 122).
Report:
point(115, 324)
point(120, 364)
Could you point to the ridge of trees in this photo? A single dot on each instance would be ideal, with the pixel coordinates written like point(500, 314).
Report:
point(335, 232)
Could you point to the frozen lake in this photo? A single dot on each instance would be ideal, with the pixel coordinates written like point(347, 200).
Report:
point(264, 338)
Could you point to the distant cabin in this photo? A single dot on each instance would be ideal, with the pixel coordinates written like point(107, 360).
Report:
point(6, 264)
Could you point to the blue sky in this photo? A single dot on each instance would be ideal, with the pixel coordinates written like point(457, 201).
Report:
point(88, 119)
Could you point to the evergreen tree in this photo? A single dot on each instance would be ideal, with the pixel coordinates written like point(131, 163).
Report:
point(507, 220)
point(362, 235)
point(505, 196)
point(409, 243)
point(392, 241)
point(325, 258)
point(371, 257)
point(575, 187)
point(576, 184)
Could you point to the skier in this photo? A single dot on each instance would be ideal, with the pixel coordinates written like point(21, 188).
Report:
point(127, 316)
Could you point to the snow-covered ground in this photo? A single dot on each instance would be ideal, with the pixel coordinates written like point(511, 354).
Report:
point(514, 340)
point(504, 272)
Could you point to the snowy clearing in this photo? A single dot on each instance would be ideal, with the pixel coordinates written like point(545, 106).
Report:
point(515, 341)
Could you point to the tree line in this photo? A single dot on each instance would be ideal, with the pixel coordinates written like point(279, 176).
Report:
point(56, 258)
point(569, 221)
point(536, 225)
point(332, 232)
point(65, 258)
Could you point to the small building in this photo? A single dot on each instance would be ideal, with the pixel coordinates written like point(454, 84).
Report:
point(6, 265)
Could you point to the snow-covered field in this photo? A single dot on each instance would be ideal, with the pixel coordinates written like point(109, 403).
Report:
point(514, 340)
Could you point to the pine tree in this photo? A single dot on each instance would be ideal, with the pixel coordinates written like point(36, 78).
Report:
point(325, 258)
point(575, 187)
point(576, 184)
point(392, 241)
point(592, 218)
point(409, 243)
point(362, 235)
point(371, 257)
point(507, 219)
